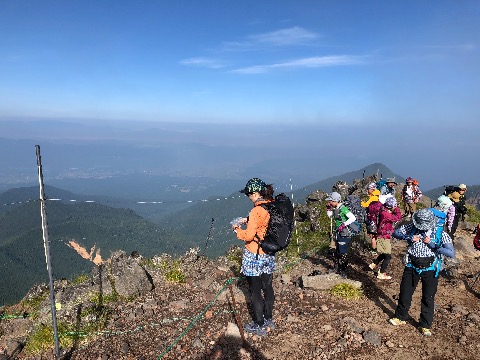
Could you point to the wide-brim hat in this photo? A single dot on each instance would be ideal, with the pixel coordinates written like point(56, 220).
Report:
point(424, 219)
point(462, 187)
point(390, 180)
point(455, 196)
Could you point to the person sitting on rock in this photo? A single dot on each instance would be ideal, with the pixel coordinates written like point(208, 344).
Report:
point(423, 262)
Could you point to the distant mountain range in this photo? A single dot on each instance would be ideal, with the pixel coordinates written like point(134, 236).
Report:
point(112, 223)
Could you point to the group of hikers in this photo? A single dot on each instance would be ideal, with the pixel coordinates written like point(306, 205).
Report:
point(429, 233)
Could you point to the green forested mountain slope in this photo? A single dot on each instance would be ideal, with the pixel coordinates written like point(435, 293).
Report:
point(22, 259)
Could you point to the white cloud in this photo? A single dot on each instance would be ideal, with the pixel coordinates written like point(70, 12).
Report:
point(311, 62)
point(203, 62)
point(292, 36)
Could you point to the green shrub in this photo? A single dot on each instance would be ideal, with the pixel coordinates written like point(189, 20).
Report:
point(473, 214)
point(42, 338)
point(304, 240)
point(80, 279)
point(346, 291)
point(148, 263)
point(235, 255)
point(172, 271)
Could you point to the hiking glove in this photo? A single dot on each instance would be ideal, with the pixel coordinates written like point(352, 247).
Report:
point(341, 227)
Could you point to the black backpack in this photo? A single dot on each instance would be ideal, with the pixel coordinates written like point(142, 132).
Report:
point(353, 203)
point(449, 189)
point(280, 226)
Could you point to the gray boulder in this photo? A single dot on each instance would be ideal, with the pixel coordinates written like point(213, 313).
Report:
point(128, 277)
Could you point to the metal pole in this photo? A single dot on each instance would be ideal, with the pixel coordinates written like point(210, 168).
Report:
point(239, 323)
point(46, 245)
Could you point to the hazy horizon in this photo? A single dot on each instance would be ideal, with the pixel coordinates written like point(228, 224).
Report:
point(300, 155)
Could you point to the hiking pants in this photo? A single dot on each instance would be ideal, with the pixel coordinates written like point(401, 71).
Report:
point(456, 219)
point(409, 282)
point(342, 252)
point(384, 248)
point(385, 260)
point(262, 306)
point(409, 208)
point(342, 243)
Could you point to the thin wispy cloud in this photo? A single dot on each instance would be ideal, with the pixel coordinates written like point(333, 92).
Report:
point(311, 62)
point(460, 47)
point(293, 36)
point(203, 62)
point(285, 37)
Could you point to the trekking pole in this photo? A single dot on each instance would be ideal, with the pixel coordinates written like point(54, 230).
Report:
point(239, 323)
point(208, 237)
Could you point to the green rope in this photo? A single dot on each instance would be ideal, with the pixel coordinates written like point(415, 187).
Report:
point(5, 316)
point(228, 282)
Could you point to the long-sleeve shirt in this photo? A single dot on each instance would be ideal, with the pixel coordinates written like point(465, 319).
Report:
point(411, 194)
point(257, 224)
point(450, 217)
point(421, 249)
point(342, 215)
point(386, 220)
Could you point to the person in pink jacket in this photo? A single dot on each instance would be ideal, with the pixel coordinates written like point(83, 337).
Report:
point(388, 214)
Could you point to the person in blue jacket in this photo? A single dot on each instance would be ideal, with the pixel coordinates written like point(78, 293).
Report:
point(423, 261)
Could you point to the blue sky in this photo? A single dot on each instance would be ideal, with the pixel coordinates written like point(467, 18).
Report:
point(348, 82)
point(241, 61)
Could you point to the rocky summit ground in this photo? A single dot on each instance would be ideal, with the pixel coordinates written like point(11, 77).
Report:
point(198, 319)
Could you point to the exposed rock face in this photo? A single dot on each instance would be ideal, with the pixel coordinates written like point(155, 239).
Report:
point(128, 277)
point(327, 281)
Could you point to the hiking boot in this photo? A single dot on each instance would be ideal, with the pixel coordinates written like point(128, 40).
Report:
point(270, 324)
point(372, 266)
point(425, 331)
point(255, 329)
point(383, 276)
point(396, 321)
point(343, 274)
point(334, 269)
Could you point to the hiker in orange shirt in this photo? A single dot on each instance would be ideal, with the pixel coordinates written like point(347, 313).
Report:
point(257, 266)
